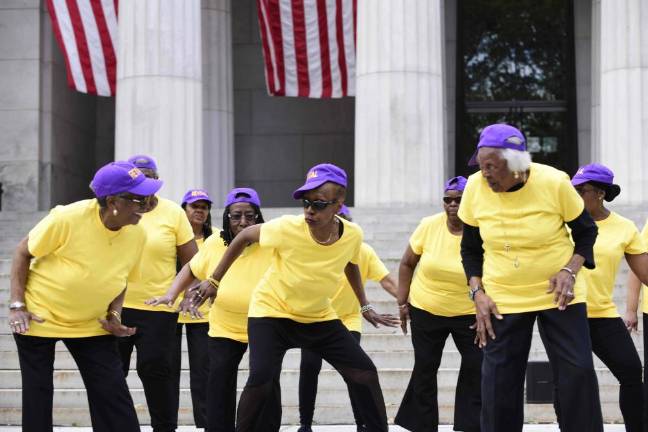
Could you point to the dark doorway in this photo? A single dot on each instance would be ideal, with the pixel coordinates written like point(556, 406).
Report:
point(515, 65)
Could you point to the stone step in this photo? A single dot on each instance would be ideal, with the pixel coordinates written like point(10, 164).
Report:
point(534, 413)
point(382, 359)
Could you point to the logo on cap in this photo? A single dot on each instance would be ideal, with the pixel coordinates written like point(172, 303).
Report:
point(134, 173)
point(311, 174)
point(198, 193)
point(514, 140)
point(581, 171)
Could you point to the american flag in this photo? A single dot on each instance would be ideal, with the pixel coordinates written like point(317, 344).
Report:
point(309, 47)
point(86, 32)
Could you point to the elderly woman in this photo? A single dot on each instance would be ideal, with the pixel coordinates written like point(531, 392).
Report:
point(438, 307)
point(197, 205)
point(617, 237)
point(291, 306)
point(68, 280)
point(522, 266)
point(169, 239)
point(228, 338)
point(347, 308)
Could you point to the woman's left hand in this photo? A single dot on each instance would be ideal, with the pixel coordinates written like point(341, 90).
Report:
point(376, 319)
point(562, 285)
point(113, 325)
point(199, 295)
point(166, 299)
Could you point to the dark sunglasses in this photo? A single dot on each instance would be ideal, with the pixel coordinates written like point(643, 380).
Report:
point(317, 204)
point(449, 200)
point(141, 201)
point(236, 217)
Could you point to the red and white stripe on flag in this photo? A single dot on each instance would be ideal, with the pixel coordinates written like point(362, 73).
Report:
point(86, 32)
point(309, 47)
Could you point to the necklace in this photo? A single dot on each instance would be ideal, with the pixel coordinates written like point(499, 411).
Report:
point(325, 242)
point(508, 246)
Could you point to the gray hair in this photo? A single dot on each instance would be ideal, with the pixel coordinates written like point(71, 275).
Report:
point(516, 160)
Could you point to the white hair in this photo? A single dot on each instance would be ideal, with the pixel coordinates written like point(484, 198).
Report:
point(516, 160)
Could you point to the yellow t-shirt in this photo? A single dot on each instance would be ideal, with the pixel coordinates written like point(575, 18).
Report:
point(644, 301)
point(228, 315)
point(344, 302)
point(304, 275)
point(204, 309)
point(524, 234)
point(616, 236)
point(439, 284)
point(166, 228)
point(80, 266)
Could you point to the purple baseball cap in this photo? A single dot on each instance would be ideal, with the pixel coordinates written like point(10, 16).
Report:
point(344, 210)
point(600, 176)
point(143, 161)
point(119, 177)
point(499, 135)
point(247, 195)
point(455, 183)
point(593, 172)
point(194, 195)
point(320, 174)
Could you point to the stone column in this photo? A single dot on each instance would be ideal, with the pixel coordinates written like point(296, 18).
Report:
point(400, 135)
point(159, 89)
point(623, 116)
point(218, 106)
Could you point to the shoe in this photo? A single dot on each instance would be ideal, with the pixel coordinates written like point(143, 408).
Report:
point(304, 428)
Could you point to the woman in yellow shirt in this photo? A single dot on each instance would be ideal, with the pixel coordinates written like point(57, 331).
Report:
point(228, 339)
point(347, 308)
point(68, 280)
point(197, 205)
point(435, 299)
point(169, 238)
point(617, 238)
point(522, 266)
point(291, 306)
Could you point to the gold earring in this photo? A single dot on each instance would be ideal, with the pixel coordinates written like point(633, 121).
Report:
point(516, 175)
point(115, 212)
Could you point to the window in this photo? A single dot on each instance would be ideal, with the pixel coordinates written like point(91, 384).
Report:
point(515, 65)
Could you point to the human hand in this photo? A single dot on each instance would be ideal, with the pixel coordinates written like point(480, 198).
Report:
point(113, 325)
point(403, 311)
point(19, 320)
point(562, 285)
point(631, 321)
point(484, 308)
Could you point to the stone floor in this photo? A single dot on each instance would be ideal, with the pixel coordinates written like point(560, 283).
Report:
point(340, 428)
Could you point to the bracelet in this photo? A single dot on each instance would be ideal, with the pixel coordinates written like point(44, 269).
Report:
point(570, 271)
point(403, 306)
point(213, 282)
point(366, 308)
point(115, 314)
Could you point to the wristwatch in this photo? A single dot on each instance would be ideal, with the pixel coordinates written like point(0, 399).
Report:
point(473, 292)
point(17, 305)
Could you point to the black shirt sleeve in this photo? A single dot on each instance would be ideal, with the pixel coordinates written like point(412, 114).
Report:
point(472, 251)
point(584, 232)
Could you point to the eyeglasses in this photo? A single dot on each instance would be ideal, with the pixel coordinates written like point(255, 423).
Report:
point(141, 201)
point(317, 204)
point(249, 217)
point(449, 200)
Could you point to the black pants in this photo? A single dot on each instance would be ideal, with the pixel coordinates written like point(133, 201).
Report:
point(154, 342)
point(645, 366)
point(270, 338)
point(224, 359)
point(111, 405)
point(309, 369)
point(612, 343)
point(198, 367)
point(419, 411)
point(504, 366)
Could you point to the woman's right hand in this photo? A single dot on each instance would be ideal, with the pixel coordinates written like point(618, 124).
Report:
point(484, 308)
point(197, 296)
point(166, 299)
point(631, 321)
point(19, 320)
point(403, 311)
